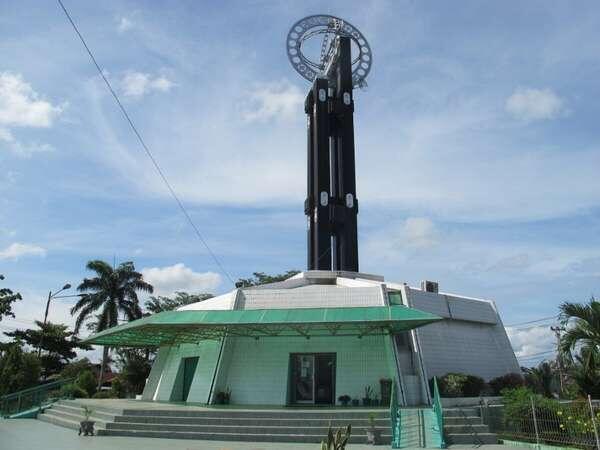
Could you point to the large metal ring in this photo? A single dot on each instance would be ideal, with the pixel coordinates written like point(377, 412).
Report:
point(329, 27)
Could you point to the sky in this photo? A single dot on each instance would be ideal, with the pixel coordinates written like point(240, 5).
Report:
point(476, 145)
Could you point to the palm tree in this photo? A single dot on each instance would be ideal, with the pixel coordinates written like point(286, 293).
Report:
point(112, 291)
point(584, 331)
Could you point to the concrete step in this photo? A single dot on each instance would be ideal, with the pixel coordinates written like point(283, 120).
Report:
point(475, 420)
point(471, 439)
point(78, 405)
point(460, 412)
point(259, 414)
point(244, 421)
point(78, 411)
point(249, 437)
point(320, 430)
point(460, 429)
point(61, 416)
point(61, 422)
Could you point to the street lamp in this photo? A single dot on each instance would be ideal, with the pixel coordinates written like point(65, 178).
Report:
point(50, 297)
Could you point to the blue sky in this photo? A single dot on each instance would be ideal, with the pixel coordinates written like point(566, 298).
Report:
point(476, 142)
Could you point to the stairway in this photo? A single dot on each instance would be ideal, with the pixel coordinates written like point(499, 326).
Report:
point(258, 425)
point(418, 428)
point(464, 426)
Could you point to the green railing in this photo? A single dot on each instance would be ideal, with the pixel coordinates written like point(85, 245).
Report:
point(439, 412)
point(395, 417)
point(31, 398)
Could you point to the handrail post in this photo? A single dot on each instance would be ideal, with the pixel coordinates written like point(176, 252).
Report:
point(439, 411)
point(594, 421)
point(535, 425)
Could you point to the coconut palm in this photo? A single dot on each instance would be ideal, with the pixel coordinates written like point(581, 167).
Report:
point(584, 326)
point(111, 292)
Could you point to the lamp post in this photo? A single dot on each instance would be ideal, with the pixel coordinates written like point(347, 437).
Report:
point(50, 297)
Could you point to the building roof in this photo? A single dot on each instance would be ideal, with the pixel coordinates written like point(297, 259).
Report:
point(176, 327)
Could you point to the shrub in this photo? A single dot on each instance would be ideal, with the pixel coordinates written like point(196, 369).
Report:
point(73, 391)
point(103, 394)
point(508, 381)
point(117, 388)
point(87, 381)
point(517, 409)
point(459, 385)
point(473, 386)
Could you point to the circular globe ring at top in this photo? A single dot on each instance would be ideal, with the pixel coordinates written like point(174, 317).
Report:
point(326, 25)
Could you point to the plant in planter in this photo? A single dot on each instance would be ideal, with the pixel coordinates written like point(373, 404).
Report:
point(373, 434)
point(344, 399)
point(336, 441)
point(367, 398)
point(355, 402)
point(86, 426)
point(223, 397)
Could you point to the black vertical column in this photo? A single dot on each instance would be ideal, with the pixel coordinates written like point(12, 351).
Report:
point(309, 202)
point(346, 223)
point(331, 206)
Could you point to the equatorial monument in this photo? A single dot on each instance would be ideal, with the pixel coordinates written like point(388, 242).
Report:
point(330, 333)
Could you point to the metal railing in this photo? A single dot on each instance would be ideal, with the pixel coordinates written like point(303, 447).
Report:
point(395, 417)
point(544, 421)
point(439, 412)
point(34, 397)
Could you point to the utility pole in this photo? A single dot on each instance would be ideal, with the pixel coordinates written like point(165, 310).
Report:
point(557, 331)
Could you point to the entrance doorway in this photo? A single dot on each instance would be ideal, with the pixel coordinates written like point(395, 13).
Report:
point(312, 380)
point(189, 368)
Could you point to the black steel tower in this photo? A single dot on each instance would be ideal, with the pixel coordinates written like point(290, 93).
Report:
point(331, 205)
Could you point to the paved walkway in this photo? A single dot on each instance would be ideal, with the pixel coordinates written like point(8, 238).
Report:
point(29, 434)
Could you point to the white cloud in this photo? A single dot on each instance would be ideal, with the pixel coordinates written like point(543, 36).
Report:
point(532, 341)
point(124, 24)
point(268, 101)
point(419, 232)
point(21, 106)
point(16, 250)
point(178, 277)
point(534, 104)
point(137, 84)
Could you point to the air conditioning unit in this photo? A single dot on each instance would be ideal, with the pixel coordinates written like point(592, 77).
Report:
point(430, 286)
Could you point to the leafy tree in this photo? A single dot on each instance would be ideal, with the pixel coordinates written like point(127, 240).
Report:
point(73, 369)
point(542, 379)
point(86, 380)
point(18, 369)
point(262, 278)
point(58, 344)
point(112, 291)
point(135, 368)
point(162, 303)
point(7, 298)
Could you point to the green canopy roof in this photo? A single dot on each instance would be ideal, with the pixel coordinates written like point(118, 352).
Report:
point(179, 327)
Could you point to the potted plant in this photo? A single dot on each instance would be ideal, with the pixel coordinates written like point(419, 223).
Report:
point(86, 426)
point(367, 398)
point(223, 397)
point(344, 399)
point(355, 402)
point(375, 401)
point(373, 434)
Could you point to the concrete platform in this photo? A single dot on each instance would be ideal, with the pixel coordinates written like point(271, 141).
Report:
point(29, 434)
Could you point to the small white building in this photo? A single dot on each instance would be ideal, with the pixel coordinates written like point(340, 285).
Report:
point(316, 337)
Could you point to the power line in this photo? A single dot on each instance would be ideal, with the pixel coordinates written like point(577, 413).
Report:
point(543, 319)
point(144, 146)
point(535, 355)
